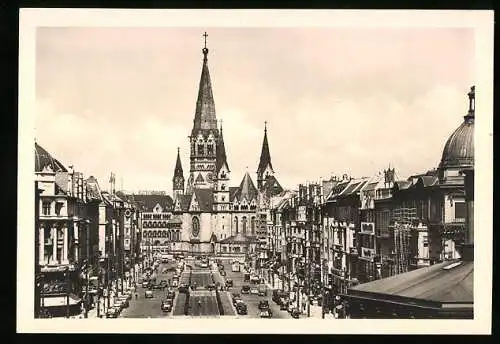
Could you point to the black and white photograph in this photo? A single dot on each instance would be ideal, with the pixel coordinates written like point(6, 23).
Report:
point(293, 170)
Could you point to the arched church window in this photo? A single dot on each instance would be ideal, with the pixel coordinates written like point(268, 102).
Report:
point(223, 187)
point(236, 224)
point(210, 148)
point(195, 231)
point(244, 225)
point(201, 149)
point(252, 225)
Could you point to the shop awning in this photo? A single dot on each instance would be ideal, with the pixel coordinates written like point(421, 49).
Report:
point(58, 301)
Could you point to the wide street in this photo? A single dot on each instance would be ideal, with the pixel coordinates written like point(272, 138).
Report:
point(150, 308)
point(252, 301)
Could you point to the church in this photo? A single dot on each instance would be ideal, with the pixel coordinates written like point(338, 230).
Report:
point(211, 215)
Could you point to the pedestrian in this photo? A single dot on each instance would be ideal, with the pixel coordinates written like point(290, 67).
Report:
point(136, 296)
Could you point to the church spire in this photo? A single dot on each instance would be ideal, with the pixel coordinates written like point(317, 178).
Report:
point(178, 180)
point(265, 166)
point(204, 118)
point(221, 158)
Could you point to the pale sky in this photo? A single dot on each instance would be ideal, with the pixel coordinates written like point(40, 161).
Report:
point(337, 100)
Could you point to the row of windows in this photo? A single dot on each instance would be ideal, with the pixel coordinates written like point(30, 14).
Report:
point(171, 235)
point(244, 225)
point(156, 216)
point(154, 224)
point(47, 208)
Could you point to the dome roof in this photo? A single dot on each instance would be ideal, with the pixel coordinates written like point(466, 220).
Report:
point(44, 159)
point(459, 149)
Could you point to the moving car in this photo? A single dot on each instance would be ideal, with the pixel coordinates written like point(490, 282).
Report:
point(254, 291)
point(166, 305)
point(236, 298)
point(222, 273)
point(204, 264)
point(148, 294)
point(241, 308)
point(263, 304)
point(183, 287)
point(158, 286)
point(266, 313)
point(170, 295)
point(145, 284)
point(229, 283)
point(210, 286)
point(245, 289)
point(254, 279)
point(283, 305)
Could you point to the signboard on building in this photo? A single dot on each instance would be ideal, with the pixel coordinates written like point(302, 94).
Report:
point(302, 213)
point(368, 227)
point(367, 252)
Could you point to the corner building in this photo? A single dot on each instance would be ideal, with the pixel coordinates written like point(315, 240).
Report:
point(212, 216)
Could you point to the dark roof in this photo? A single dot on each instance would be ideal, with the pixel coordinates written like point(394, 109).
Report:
point(429, 180)
point(354, 187)
point(337, 189)
point(213, 237)
point(238, 239)
point(184, 201)
point(44, 159)
point(403, 184)
point(434, 283)
point(459, 148)
point(265, 156)
point(232, 192)
point(370, 186)
point(204, 118)
point(148, 202)
point(205, 199)
point(247, 189)
point(221, 158)
point(271, 186)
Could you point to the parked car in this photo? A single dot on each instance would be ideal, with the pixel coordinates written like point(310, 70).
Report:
point(266, 313)
point(241, 308)
point(229, 283)
point(148, 294)
point(254, 279)
point(166, 305)
point(222, 273)
point(245, 289)
point(263, 304)
point(295, 313)
point(123, 302)
point(183, 288)
point(145, 284)
point(254, 291)
point(210, 286)
point(112, 313)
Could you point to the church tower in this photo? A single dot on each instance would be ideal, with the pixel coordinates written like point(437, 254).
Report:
point(265, 168)
point(221, 191)
point(204, 135)
point(178, 179)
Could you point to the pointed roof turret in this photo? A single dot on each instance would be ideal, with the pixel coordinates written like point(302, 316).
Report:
point(247, 189)
point(265, 156)
point(204, 118)
point(178, 166)
point(221, 158)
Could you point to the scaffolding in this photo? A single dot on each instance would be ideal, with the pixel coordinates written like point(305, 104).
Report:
point(403, 220)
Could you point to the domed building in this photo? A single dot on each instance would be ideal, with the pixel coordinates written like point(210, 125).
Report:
point(433, 203)
point(458, 152)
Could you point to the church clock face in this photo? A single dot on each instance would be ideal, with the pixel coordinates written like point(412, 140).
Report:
point(195, 230)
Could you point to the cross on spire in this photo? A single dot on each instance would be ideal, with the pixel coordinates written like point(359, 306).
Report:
point(205, 35)
point(265, 125)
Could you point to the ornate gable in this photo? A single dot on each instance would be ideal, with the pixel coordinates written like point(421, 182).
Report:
point(194, 206)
